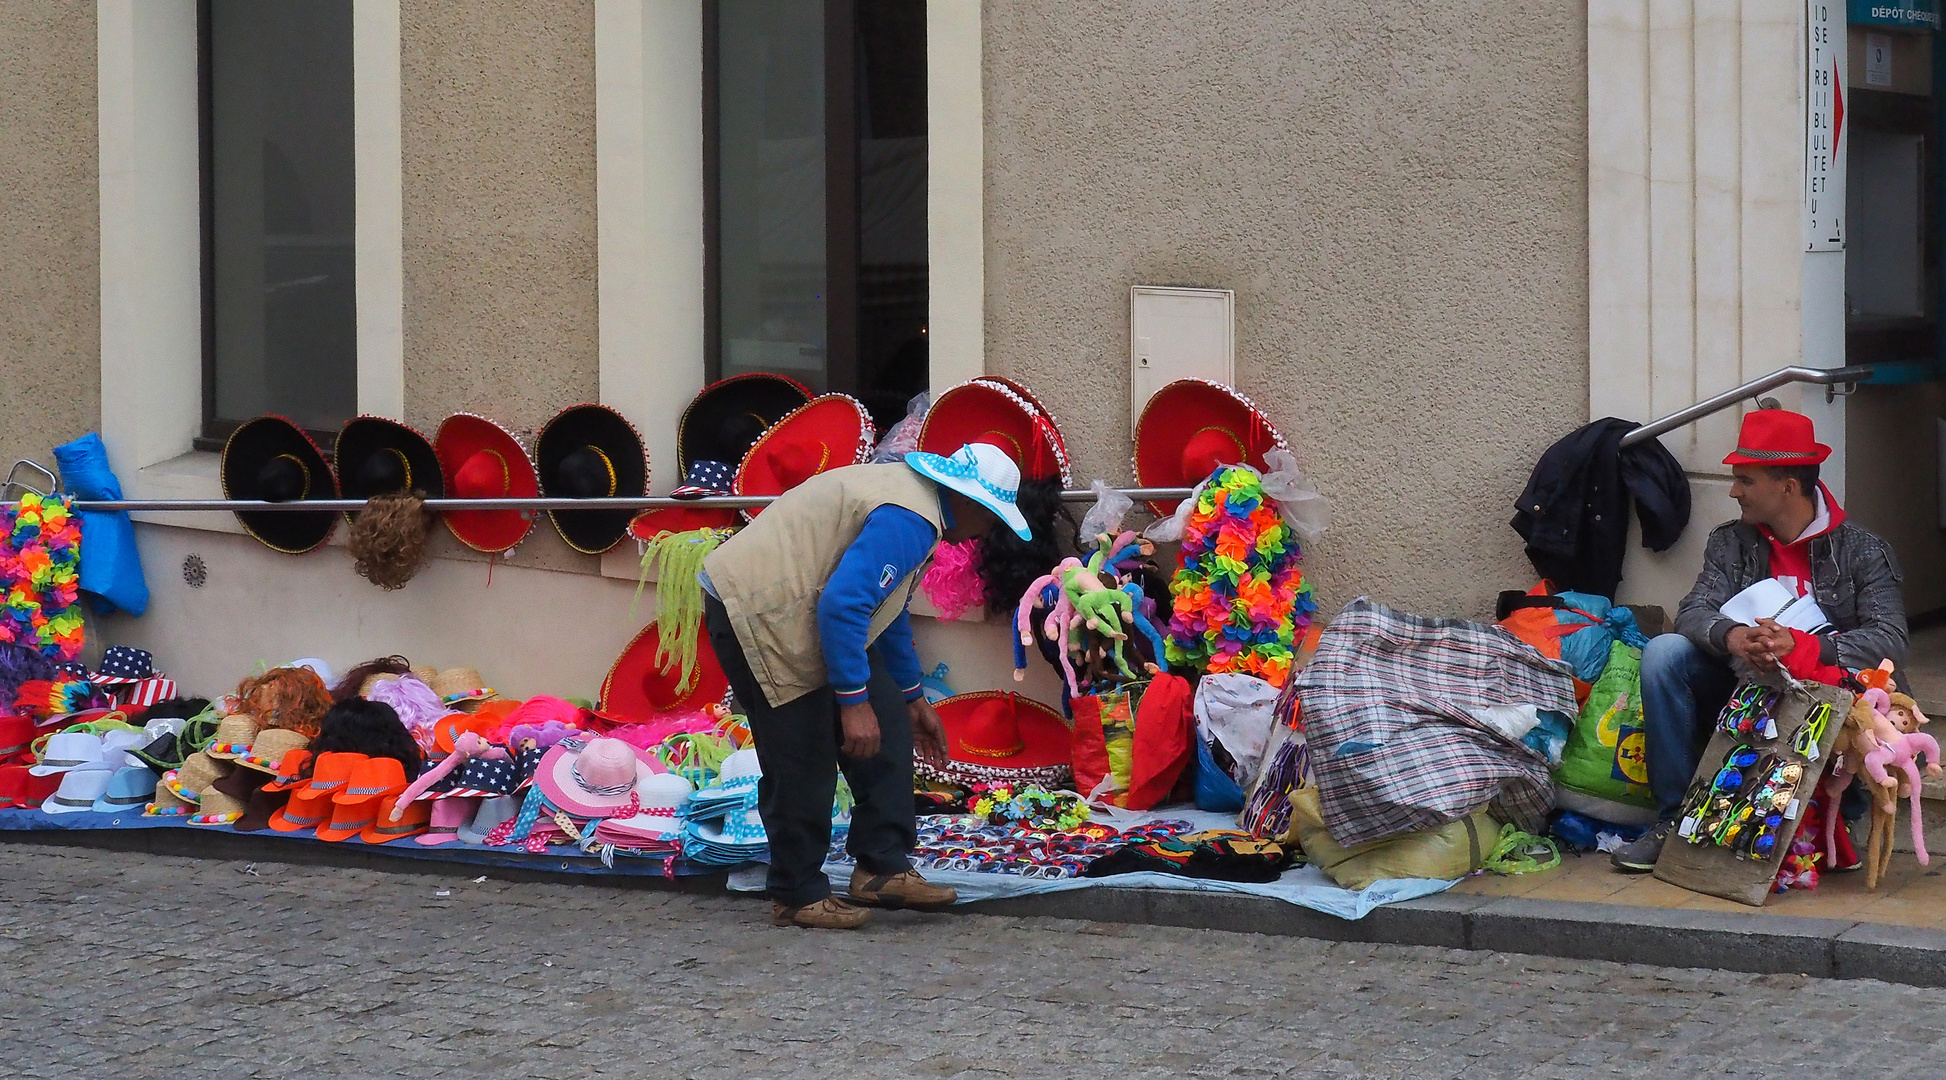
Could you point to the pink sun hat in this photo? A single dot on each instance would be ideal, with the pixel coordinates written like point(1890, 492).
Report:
point(449, 816)
point(595, 778)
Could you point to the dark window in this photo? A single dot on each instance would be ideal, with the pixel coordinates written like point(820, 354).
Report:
point(279, 311)
point(816, 154)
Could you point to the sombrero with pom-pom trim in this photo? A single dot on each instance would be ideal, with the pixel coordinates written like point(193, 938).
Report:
point(482, 460)
point(639, 689)
point(987, 410)
point(591, 452)
point(1190, 427)
point(378, 456)
point(998, 737)
point(831, 432)
point(270, 458)
point(731, 414)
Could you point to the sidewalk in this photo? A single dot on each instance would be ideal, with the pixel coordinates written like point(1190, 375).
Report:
point(1582, 910)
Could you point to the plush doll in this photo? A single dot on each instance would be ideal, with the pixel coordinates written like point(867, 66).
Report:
point(1899, 750)
point(467, 747)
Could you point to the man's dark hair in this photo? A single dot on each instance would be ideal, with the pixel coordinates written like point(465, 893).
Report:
point(1805, 475)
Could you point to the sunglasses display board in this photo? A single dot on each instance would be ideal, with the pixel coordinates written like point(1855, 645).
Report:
point(1752, 790)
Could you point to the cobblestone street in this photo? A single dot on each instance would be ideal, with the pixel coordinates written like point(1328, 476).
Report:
point(143, 966)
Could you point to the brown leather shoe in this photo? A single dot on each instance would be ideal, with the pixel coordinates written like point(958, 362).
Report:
point(829, 913)
point(902, 890)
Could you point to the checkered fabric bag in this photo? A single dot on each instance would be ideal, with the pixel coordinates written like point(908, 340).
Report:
point(1392, 745)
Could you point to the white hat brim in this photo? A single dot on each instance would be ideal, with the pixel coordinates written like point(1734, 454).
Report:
point(927, 465)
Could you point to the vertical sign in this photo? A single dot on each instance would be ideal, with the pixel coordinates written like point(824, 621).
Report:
point(1824, 126)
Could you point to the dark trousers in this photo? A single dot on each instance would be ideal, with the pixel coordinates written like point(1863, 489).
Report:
point(797, 745)
point(1683, 690)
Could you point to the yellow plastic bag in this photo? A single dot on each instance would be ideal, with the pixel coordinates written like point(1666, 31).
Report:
point(1453, 850)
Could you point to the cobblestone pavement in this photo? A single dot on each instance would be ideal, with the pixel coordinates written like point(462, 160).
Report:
point(134, 966)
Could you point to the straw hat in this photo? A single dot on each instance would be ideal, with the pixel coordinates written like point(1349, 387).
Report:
point(166, 804)
point(233, 737)
point(198, 772)
point(218, 808)
point(266, 752)
point(460, 686)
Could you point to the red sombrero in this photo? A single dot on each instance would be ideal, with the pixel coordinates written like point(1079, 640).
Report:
point(1001, 737)
point(637, 689)
point(829, 433)
point(482, 460)
point(1193, 425)
point(988, 411)
point(1060, 443)
point(731, 414)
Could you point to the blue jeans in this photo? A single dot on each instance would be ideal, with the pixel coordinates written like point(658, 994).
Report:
point(1683, 690)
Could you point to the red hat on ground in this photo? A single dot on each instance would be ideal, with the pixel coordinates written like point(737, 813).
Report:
point(995, 737)
point(995, 412)
point(1193, 425)
point(483, 460)
point(1777, 437)
point(637, 689)
point(829, 433)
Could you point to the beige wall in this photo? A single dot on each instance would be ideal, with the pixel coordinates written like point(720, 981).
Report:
point(1397, 192)
point(50, 324)
point(498, 153)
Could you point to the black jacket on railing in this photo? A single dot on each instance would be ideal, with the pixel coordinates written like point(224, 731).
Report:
point(1574, 512)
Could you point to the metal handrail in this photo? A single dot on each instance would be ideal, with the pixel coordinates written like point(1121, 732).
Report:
point(737, 502)
point(1780, 377)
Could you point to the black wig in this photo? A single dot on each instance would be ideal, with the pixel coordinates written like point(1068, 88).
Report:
point(372, 728)
point(354, 679)
point(1008, 564)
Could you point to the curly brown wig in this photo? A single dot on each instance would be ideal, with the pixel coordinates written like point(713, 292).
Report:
point(388, 541)
point(286, 697)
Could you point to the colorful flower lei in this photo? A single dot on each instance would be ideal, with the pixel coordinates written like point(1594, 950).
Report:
point(1240, 600)
point(1033, 806)
point(40, 576)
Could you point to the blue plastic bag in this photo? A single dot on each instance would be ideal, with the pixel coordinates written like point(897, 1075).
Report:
point(111, 569)
point(1215, 791)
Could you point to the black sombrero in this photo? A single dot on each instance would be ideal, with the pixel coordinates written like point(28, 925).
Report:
point(376, 456)
point(731, 414)
point(591, 452)
point(272, 459)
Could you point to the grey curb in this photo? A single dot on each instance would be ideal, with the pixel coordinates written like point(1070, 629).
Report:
point(1668, 937)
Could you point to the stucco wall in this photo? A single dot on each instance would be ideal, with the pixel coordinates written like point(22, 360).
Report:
point(498, 162)
point(498, 156)
point(1395, 190)
point(50, 321)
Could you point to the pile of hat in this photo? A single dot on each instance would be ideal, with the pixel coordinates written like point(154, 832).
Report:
point(721, 824)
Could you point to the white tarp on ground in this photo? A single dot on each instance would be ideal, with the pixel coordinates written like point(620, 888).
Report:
point(1305, 886)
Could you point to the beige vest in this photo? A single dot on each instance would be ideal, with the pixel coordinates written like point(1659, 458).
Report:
point(770, 575)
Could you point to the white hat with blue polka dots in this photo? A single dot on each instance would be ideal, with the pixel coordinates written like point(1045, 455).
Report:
point(981, 472)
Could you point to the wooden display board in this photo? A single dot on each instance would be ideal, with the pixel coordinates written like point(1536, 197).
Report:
point(1716, 871)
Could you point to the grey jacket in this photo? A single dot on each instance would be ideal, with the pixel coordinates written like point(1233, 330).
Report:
point(1854, 578)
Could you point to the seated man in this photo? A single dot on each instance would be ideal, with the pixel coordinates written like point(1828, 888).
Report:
point(1792, 530)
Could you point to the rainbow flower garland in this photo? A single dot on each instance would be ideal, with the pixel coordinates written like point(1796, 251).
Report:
point(40, 573)
point(1240, 599)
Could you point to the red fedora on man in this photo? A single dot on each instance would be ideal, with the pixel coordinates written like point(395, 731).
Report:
point(1777, 437)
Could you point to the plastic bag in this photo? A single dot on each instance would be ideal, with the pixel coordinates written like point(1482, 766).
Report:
point(1452, 850)
point(1216, 792)
point(111, 568)
point(1237, 712)
point(903, 437)
point(1298, 502)
point(1111, 506)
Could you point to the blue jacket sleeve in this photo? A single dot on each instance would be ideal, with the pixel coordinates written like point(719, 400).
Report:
point(901, 656)
point(892, 544)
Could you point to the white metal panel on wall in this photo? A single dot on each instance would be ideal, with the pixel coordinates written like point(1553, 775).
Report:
point(1177, 333)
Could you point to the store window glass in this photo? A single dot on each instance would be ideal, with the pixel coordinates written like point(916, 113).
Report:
point(817, 182)
point(280, 316)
